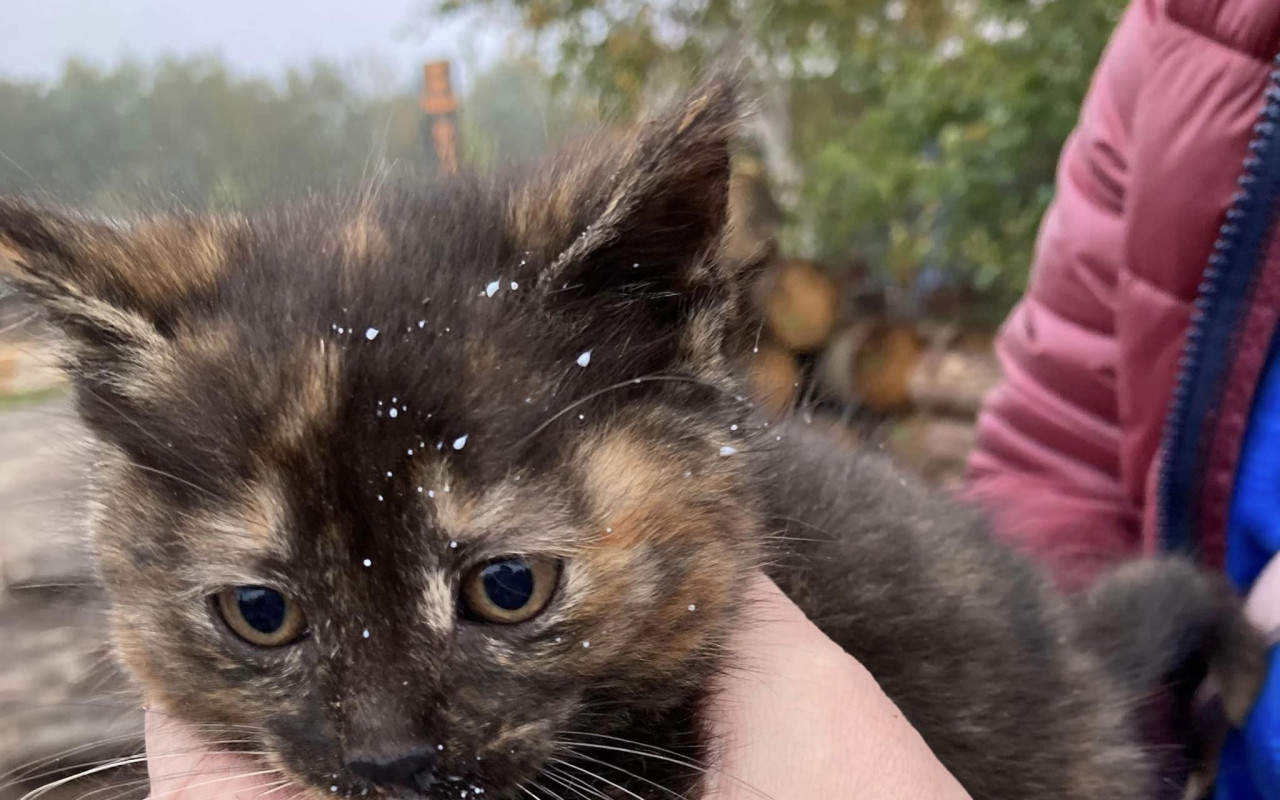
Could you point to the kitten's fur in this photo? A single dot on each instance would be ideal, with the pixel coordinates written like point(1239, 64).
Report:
point(231, 370)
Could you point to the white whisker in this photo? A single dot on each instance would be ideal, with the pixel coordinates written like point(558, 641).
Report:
point(613, 388)
point(45, 773)
point(563, 780)
point(115, 764)
point(598, 777)
point(285, 784)
point(629, 774)
point(234, 776)
point(659, 755)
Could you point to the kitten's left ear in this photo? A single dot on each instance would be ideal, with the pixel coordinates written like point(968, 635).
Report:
point(640, 216)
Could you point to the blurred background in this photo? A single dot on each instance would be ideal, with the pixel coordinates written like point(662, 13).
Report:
point(894, 174)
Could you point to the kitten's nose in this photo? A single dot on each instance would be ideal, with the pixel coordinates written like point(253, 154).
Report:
point(415, 771)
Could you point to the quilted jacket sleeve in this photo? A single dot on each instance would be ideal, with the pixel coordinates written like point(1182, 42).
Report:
point(1047, 461)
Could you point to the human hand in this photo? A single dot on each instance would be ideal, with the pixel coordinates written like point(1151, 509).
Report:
point(1250, 764)
point(182, 766)
point(803, 719)
point(799, 719)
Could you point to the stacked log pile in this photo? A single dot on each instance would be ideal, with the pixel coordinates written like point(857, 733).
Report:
point(836, 346)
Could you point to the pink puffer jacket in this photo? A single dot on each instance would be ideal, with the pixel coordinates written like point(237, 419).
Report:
point(1070, 447)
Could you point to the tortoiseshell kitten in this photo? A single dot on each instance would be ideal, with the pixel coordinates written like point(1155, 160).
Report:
point(435, 488)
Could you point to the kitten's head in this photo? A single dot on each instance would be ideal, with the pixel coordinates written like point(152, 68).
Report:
point(422, 487)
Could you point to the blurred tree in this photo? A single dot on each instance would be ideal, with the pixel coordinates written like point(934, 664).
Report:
point(193, 130)
point(511, 113)
point(916, 133)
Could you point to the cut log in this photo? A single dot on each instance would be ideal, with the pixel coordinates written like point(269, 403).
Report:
point(800, 305)
point(882, 367)
point(8, 366)
point(28, 352)
point(835, 364)
point(892, 367)
point(27, 367)
point(773, 377)
point(954, 381)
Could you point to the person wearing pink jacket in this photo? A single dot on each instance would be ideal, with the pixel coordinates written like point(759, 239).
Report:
point(1139, 412)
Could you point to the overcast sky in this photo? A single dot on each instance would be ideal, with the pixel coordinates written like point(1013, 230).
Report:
point(255, 36)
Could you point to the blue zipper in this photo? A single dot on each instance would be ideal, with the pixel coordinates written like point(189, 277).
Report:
point(1221, 306)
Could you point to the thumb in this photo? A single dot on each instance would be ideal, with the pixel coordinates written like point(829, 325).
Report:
point(800, 718)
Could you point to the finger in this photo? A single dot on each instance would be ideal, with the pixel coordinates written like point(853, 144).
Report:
point(1262, 606)
point(182, 767)
point(800, 718)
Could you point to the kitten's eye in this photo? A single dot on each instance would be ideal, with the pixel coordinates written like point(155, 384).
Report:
point(509, 590)
point(261, 616)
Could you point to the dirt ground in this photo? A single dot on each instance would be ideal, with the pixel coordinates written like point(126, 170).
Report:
point(60, 694)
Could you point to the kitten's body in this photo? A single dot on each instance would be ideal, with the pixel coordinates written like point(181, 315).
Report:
point(969, 641)
point(356, 403)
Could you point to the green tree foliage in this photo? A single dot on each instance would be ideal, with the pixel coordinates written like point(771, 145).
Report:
point(194, 131)
point(924, 133)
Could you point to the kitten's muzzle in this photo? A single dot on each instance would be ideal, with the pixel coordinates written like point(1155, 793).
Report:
point(415, 771)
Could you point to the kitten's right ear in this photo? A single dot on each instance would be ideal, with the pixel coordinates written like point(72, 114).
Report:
point(106, 285)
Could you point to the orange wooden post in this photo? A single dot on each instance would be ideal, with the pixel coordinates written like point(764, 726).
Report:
point(440, 106)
